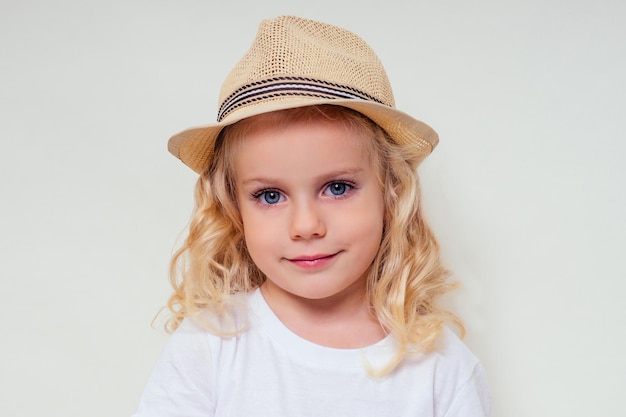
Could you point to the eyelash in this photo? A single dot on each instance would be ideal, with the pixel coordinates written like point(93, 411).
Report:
point(349, 186)
point(257, 196)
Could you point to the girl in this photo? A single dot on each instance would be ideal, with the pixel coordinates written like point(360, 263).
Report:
point(307, 285)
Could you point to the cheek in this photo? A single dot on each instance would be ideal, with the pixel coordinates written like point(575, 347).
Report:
point(372, 235)
point(253, 245)
point(364, 225)
point(376, 224)
point(259, 232)
point(261, 244)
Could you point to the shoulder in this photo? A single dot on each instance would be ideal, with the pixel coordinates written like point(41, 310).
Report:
point(185, 378)
point(451, 353)
point(198, 339)
point(230, 319)
point(180, 380)
point(460, 382)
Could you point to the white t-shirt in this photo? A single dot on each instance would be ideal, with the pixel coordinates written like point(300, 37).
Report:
point(270, 371)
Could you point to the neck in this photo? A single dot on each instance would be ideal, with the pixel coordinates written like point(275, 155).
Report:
point(343, 321)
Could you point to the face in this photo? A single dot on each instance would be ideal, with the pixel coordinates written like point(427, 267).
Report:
point(312, 208)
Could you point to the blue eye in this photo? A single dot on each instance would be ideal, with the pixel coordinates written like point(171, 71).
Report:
point(268, 197)
point(338, 188)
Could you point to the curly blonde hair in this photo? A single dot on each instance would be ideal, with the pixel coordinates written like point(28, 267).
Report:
point(403, 282)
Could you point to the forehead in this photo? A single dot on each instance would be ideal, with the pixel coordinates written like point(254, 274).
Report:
point(349, 119)
point(300, 148)
point(368, 134)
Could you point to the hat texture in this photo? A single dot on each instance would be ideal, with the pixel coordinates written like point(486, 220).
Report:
point(295, 62)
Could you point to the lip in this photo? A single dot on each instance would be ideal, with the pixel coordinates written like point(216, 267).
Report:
point(312, 261)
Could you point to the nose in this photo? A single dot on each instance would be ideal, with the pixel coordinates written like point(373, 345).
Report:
point(306, 222)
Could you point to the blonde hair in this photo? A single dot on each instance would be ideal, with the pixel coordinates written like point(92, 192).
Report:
point(404, 280)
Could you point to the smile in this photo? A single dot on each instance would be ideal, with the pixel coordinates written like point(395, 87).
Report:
point(312, 262)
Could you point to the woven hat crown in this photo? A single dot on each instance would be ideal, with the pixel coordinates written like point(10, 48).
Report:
point(295, 59)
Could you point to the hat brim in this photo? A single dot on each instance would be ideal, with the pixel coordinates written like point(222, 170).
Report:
point(195, 146)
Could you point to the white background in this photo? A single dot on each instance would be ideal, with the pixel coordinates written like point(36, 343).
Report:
point(525, 191)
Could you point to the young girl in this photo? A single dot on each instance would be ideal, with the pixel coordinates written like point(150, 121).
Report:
point(307, 285)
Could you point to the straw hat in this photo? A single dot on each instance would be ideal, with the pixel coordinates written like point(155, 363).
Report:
point(295, 62)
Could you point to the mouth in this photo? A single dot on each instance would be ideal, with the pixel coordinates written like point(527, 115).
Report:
point(312, 261)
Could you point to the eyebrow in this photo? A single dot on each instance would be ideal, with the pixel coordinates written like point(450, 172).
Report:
point(321, 178)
